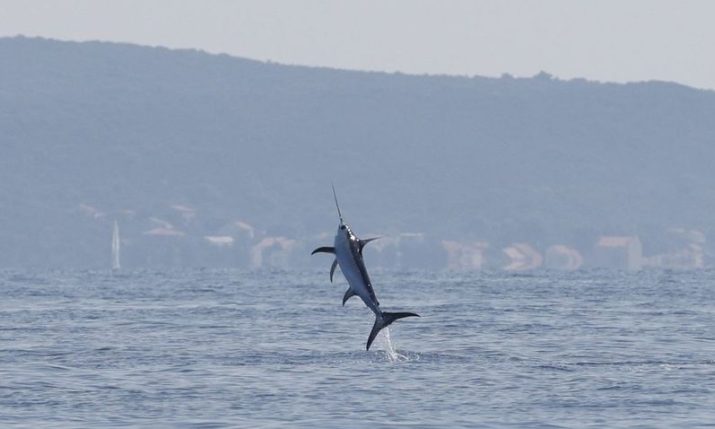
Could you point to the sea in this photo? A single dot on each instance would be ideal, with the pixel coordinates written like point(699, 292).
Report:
point(206, 348)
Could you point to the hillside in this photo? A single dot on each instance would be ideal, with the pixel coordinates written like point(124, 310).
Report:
point(181, 145)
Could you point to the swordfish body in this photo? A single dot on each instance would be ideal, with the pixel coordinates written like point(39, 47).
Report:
point(347, 248)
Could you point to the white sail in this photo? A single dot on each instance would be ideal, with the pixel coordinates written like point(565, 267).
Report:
point(115, 247)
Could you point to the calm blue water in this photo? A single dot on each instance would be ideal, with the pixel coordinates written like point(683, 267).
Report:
point(209, 349)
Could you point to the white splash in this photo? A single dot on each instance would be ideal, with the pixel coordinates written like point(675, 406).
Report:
point(392, 354)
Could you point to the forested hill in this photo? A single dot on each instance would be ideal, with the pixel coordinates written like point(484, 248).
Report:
point(194, 143)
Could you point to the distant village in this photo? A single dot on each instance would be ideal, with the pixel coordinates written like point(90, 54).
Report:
point(155, 241)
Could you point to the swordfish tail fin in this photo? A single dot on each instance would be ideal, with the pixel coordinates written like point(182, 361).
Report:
point(384, 321)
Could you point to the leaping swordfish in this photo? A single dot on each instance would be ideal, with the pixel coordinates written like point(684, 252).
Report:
point(347, 249)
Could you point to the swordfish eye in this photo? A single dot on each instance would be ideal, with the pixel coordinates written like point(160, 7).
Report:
point(342, 227)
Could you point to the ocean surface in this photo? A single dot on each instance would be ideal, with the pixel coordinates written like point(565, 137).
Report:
point(225, 348)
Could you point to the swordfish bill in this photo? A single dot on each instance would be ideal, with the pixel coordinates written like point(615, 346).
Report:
point(347, 248)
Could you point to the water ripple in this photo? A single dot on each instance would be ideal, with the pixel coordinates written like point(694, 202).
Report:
point(214, 349)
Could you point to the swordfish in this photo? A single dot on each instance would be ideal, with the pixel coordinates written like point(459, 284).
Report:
point(347, 248)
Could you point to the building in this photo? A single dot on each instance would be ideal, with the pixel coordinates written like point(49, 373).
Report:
point(618, 252)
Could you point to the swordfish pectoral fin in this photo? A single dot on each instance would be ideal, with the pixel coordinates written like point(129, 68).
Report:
point(332, 269)
point(385, 321)
point(364, 242)
point(324, 249)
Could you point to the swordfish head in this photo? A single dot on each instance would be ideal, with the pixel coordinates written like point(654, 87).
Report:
point(344, 235)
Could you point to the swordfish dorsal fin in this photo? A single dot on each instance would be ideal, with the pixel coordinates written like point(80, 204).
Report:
point(332, 269)
point(324, 249)
point(364, 242)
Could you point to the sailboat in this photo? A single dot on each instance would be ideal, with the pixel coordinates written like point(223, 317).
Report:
point(115, 248)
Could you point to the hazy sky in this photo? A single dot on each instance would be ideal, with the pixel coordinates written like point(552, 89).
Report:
point(611, 40)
